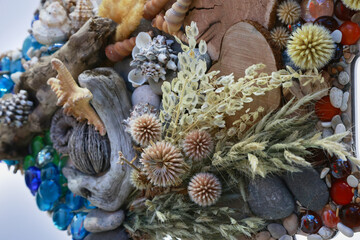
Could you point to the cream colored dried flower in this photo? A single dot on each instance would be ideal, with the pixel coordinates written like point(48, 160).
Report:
point(198, 145)
point(311, 46)
point(145, 129)
point(352, 4)
point(289, 12)
point(204, 189)
point(280, 36)
point(138, 179)
point(164, 164)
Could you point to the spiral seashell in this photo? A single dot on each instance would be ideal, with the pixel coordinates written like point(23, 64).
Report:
point(160, 23)
point(83, 12)
point(111, 54)
point(176, 14)
point(124, 48)
point(153, 7)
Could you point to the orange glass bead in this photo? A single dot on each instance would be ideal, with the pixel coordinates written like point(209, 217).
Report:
point(324, 110)
point(350, 33)
point(329, 217)
point(341, 193)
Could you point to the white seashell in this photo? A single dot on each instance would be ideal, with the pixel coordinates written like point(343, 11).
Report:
point(171, 65)
point(162, 58)
point(326, 124)
point(16, 77)
point(328, 180)
point(352, 181)
point(324, 172)
point(82, 13)
point(345, 230)
point(143, 40)
point(135, 51)
point(136, 77)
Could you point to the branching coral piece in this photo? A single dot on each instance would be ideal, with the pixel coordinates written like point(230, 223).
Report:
point(311, 46)
point(289, 12)
point(352, 4)
point(74, 99)
point(127, 13)
point(280, 36)
point(204, 189)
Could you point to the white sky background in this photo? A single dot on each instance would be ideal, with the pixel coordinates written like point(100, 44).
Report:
point(20, 218)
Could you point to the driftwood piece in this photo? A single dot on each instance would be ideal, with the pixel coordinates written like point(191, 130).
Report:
point(215, 17)
point(84, 50)
point(245, 44)
point(112, 103)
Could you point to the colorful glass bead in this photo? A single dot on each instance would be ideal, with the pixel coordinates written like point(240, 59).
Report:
point(324, 110)
point(293, 27)
point(350, 215)
point(350, 33)
point(50, 191)
point(43, 205)
point(47, 138)
point(16, 66)
point(63, 184)
point(62, 217)
point(29, 161)
point(338, 53)
point(340, 192)
point(342, 12)
point(77, 228)
point(329, 217)
point(36, 145)
point(62, 162)
point(340, 168)
point(312, 9)
point(33, 179)
point(310, 222)
point(73, 201)
point(88, 205)
point(46, 155)
point(10, 162)
point(328, 22)
point(30, 42)
point(49, 172)
point(6, 85)
point(5, 64)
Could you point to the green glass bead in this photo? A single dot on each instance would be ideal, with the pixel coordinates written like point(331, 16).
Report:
point(37, 145)
point(63, 184)
point(29, 161)
point(56, 157)
point(62, 162)
point(47, 138)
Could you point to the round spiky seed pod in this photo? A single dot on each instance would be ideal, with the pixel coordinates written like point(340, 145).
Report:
point(198, 145)
point(138, 179)
point(352, 4)
point(289, 12)
point(145, 129)
point(163, 164)
point(280, 36)
point(311, 46)
point(204, 189)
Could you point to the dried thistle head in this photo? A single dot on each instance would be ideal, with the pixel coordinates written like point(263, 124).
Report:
point(145, 129)
point(138, 179)
point(198, 145)
point(204, 189)
point(311, 46)
point(352, 4)
point(280, 36)
point(164, 164)
point(289, 12)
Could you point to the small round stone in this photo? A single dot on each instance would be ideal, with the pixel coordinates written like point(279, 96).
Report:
point(291, 224)
point(276, 230)
point(286, 237)
point(344, 78)
point(310, 222)
point(340, 128)
point(345, 230)
point(314, 237)
point(62, 217)
point(336, 36)
point(144, 94)
point(264, 235)
point(326, 124)
point(324, 172)
point(336, 96)
point(352, 181)
point(341, 193)
point(350, 215)
point(344, 104)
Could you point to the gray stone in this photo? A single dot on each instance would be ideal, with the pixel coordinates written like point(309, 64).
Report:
point(286, 237)
point(326, 124)
point(345, 230)
point(336, 36)
point(344, 104)
point(325, 232)
point(308, 188)
point(264, 235)
point(100, 221)
point(352, 181)
point(314, 237)
point(336, 96)
point(340, 128)
point(144, 94)
point(118, 234)
point(346, 120)
point(291, 224)
point(276, 230)
point(344, 78)
point(327, 132)
point(269, 198)
point(336, 120)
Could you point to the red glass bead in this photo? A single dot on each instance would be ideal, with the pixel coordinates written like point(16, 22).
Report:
point(342, 12)
point(327, 22)
point(310, 222)
point(340, 192)
point(324, 110)
point(350, 33)
point(340, 168)
point(329, 217)
point(350, 215)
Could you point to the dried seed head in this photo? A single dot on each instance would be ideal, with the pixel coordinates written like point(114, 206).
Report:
point(145, 129)
point(164, 164)
point(280, 36)
point(352, 4)
point(289, 12)
point(204, 189)
point(139, 179)
point(198, 145)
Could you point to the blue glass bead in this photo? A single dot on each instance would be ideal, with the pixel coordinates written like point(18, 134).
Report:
point(6, 85)
point(62, 217)
point(43, 205)
point(50, 172)
point(16, 66)
point(73, 201)
point(10, 162)
point(45, 156)
point(50, 191)
point(88, 205)
point(52, 49)
point(77, 228)
point(29, 42)
point(33, 179)
point(5, 64)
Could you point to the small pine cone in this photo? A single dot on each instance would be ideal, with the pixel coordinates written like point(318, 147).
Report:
point(164, 164)
point(145, 129)
point(289, 12)
point(280, 36)
point(138, 180)
point(204, 189)
point(198, 145)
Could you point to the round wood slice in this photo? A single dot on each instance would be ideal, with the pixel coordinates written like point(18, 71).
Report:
point(245, 44)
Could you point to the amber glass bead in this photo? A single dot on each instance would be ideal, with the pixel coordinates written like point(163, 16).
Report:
point(329, 217)
point(328, 22)
point(350, 33)
point(310, 222)
point(324, 110)
point(340, 168)
point(342, 12)
point(341, 193)
point(350, 215)
point(312, 9)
